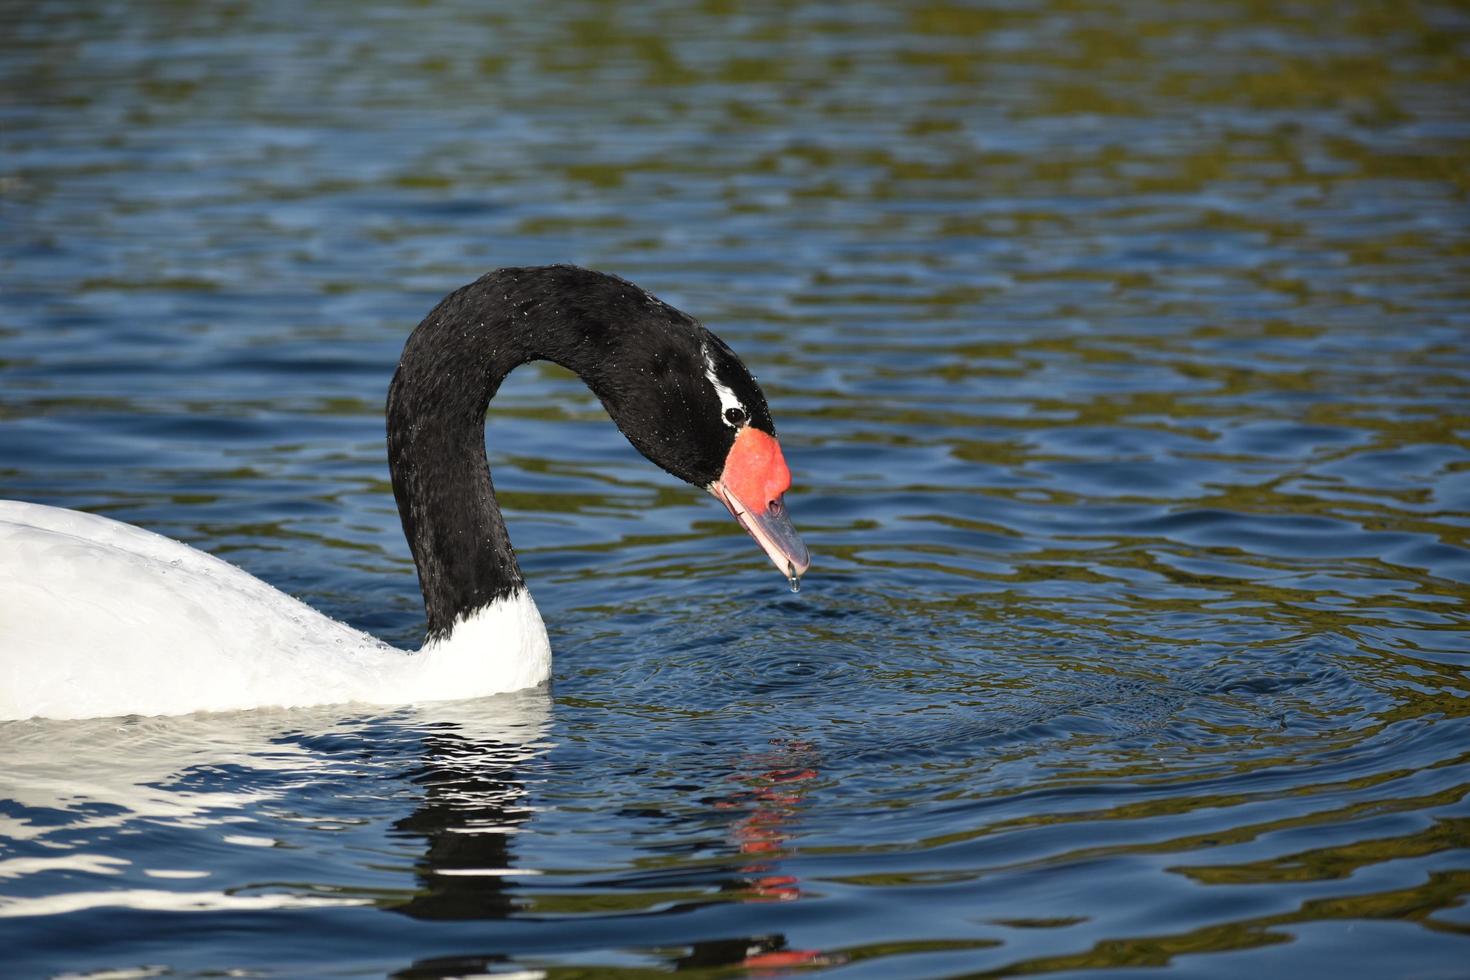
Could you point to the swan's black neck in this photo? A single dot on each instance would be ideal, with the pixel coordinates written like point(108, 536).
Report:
point(645, 360)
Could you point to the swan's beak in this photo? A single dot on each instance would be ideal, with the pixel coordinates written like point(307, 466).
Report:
point(753, 485)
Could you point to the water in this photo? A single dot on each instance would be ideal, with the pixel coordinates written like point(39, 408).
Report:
point(1120, 353)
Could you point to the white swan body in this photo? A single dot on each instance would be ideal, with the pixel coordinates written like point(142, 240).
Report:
point(99, 618)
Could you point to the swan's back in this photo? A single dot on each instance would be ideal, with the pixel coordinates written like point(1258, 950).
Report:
point(100, 618)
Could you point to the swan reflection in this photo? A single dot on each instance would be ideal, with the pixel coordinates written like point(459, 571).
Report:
point(209, 811)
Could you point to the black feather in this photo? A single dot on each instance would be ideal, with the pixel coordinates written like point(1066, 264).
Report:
point(641, 357)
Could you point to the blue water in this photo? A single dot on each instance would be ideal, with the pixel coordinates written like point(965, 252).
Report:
point(1121, 353)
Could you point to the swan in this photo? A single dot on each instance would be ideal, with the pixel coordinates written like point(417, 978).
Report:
point(99, 618)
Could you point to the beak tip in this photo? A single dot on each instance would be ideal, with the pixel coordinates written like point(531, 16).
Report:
point(772, 530)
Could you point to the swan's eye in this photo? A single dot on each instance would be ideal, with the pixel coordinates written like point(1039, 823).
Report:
point(735, 416)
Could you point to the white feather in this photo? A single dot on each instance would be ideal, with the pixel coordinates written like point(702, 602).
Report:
point(99, 618)
point(726, 396)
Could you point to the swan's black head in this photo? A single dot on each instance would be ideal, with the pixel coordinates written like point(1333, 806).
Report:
point(679, 393)
point(675, 390)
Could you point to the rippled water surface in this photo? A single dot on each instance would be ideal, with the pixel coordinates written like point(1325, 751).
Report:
point(1120, 353)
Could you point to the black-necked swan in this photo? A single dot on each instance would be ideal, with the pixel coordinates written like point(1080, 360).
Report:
point(99, 618)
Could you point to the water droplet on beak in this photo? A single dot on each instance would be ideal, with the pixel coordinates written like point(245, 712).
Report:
point(792, 577)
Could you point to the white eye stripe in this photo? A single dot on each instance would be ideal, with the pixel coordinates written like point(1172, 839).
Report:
point(726, 396)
